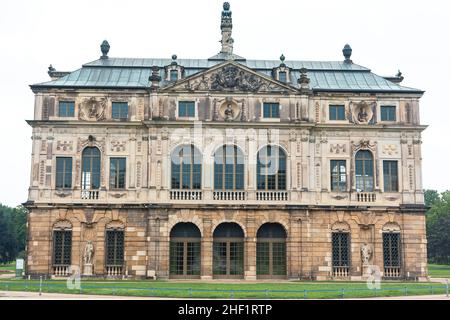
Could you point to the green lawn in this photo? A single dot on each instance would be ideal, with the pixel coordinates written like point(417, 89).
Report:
point(439, 271)
point(8, 268)
point(291, 290)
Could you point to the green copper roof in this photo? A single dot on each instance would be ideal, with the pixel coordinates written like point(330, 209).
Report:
point(135, 73)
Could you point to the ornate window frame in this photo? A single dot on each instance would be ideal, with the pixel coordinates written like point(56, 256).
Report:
point(371, 147)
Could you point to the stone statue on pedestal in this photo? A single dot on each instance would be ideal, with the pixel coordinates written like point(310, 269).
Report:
point(88, 255)
point(366, 254)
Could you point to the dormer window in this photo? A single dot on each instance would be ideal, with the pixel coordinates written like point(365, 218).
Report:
point(282, 72)
point(173, 75)
point(174, 72)
point(282, 76)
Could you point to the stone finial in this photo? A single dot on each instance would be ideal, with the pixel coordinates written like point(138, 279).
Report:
point(347, 51)
point(226, 26)
point(304, 81)
point(155, 78)
point(282, 58)
point(105, 49)
point(174, 59)
point(51, 68)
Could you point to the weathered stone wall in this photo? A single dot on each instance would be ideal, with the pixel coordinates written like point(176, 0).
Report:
point(147, 235)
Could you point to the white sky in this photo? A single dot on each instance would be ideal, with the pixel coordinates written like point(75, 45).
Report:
point(386, 35)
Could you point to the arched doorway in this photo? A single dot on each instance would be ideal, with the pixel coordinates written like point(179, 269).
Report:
point(271, 251)
point(228, 251)
point(185, 251)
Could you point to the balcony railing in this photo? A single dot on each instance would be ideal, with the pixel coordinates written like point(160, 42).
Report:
point(114, 271)
point(366, 197)
point(185, 195)
point(229, 195)
point(392, 272)
point(340, 272)
point(90, 194)
point(271, 195)
point(61, 271)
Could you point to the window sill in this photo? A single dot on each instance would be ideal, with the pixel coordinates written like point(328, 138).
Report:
point(270, 119)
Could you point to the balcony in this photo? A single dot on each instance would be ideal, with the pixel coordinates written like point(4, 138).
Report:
point(61, 271)
point(229, 195)
point(340, 272)
point(90, 194)
point(185, 195)
point(392, 272)
point(366, 197)
point(114, 271)
point(272, 196)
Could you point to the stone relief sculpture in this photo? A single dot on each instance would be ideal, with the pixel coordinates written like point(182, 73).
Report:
point(229, 110)
point(231, 78)
point(366, 254)
point(362, 112)
point(93, 109)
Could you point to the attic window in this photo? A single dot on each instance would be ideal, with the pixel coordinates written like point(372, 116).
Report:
point(282, 76)
point(174, 75)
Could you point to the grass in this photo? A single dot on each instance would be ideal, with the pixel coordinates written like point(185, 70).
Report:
point(8, 268)
point(285, 290)
point(439, 271)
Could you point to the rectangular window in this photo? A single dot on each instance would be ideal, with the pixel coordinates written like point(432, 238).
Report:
point(337, 112)
point(388, 113)
point(173, 75)
point(186, 109)
point(117, 173)
point(271, 110)
point(282, 76)
point(63, 172)
point(338, 175)
point(340, 249)
point(62, 247)
point(66, 109)
point(114, 247)
point(391, 250)
point(390, 174)
point(120, 110)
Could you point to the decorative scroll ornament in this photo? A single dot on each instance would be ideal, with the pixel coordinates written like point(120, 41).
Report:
point(93, 109)
point(364, 145)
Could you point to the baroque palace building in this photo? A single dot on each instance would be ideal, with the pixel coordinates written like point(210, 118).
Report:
point(226, 168)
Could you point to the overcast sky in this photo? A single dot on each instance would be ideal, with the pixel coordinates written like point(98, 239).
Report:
point(386, 35)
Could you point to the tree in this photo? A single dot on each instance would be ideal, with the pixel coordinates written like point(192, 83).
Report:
point(438, 226)
point(13, 231)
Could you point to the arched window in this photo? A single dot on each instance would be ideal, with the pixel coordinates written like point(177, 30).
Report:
point(186, 168)
point(364, 171)
point(185, 251)
point(228, 168)
point(271, 251)
point(271, 168)
point(90, 178)
point(228, 251)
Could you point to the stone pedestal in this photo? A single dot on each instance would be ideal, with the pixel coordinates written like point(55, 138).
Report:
point(87, 269)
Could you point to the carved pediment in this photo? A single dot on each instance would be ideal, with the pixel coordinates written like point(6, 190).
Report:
point(229, 77)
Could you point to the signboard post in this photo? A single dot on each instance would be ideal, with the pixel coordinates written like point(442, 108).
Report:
point(19, 267)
